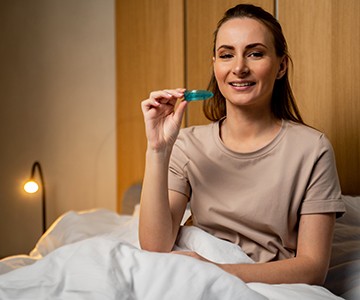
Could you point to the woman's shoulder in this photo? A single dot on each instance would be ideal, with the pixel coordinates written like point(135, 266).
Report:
point(195, 137)
point(307, 135)
point(303, 130)
point(197, 131)
point(198, 128)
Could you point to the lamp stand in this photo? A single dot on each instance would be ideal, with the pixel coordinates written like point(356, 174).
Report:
point(35, 166)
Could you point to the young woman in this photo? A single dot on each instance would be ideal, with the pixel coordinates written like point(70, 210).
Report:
point(257, 175)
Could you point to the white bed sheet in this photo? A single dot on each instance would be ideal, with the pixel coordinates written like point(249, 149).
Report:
point(95, 255)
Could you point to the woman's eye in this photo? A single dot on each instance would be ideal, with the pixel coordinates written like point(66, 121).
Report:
point(225, 56)
point(256, 54)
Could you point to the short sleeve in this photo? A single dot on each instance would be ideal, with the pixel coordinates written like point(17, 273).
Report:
point(323, 193)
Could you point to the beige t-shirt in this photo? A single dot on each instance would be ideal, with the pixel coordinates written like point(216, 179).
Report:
point(255, 199)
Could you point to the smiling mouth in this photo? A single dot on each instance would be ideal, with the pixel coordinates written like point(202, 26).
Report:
point(242, 84)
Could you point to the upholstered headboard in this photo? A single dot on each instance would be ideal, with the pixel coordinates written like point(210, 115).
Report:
point(131, 198)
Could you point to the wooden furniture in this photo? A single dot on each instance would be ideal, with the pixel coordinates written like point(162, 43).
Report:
point(324, 38)
point(150, 56)
point(167, 44)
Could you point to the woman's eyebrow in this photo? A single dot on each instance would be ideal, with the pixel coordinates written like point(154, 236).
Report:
point(249, 46)
point(226, 47)
point(253, 45)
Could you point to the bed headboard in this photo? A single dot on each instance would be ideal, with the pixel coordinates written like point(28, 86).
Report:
point(131, 198)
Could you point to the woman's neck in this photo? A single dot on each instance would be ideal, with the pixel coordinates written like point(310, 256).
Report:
point(248, 131)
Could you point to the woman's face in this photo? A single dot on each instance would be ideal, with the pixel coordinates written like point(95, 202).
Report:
point(245, 62)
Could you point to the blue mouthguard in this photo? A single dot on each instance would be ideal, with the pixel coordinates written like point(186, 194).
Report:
point(194, 95)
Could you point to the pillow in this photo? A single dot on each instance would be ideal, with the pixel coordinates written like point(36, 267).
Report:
point(73, 226)
point(344, 273)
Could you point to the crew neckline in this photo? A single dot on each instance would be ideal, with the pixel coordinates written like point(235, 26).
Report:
point(259, 152)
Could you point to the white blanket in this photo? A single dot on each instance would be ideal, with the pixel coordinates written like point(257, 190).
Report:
point(105, 268)
point(96, 255)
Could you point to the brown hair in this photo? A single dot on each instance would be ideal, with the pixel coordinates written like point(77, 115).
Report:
point(283, 104)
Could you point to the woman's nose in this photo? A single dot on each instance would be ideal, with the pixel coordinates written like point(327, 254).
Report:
point(240, 67)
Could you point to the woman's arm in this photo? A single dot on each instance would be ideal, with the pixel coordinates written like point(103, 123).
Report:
point(160, 211)
point(310, 264)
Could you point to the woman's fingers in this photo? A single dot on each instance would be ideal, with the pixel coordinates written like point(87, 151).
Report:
point(165, 96)
point(162, 120)
point(147, 104)
point(156, 98)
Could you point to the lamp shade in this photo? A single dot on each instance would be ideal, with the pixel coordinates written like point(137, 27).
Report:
point(31, 187)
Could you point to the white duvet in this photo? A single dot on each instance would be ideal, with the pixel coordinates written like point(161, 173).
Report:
point(96, 255)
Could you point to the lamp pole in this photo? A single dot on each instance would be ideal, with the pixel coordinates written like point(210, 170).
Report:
point(35, 166)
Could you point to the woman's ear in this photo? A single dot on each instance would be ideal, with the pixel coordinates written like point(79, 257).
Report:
point(283, 67)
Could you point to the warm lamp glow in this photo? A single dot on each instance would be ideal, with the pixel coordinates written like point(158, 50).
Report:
point(31, 187)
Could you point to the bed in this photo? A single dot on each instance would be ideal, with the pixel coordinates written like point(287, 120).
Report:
point(95, 254)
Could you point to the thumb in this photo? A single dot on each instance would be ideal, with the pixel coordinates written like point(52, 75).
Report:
point(179, 112)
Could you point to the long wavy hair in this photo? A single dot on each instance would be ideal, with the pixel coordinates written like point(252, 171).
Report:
point(283, 104)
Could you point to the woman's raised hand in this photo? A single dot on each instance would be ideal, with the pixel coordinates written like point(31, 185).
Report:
point(162, 121)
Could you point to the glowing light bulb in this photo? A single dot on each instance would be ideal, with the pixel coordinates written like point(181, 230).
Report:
point(31, 187)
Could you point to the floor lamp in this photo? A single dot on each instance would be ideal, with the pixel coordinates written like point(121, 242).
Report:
point(31, 186)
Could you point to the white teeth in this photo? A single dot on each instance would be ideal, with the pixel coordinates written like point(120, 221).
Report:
point(238, 84)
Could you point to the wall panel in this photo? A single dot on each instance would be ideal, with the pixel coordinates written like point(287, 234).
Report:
point(150, 56)
point(324, 38)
